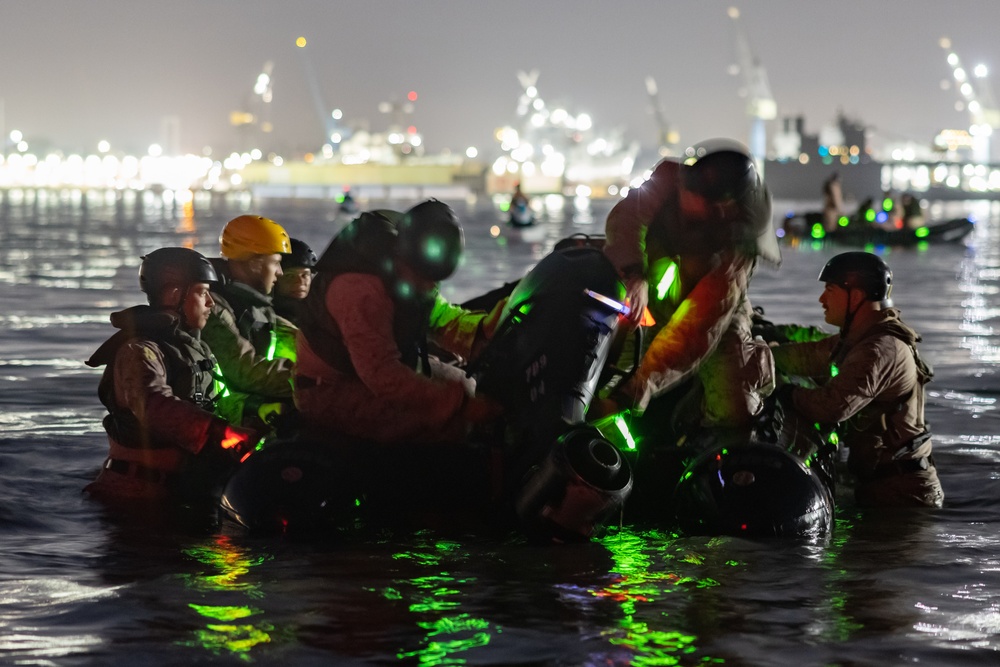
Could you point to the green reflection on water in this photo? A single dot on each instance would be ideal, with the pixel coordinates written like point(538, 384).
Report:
point(642, 578)
point(229, 564)
point(436, 599)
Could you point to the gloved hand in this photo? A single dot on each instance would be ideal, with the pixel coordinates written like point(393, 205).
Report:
point(637, 297)
point(237, 442)
point(271, 413)
point(489, 324)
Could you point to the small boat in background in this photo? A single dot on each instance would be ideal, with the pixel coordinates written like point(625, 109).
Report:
point(809, 226)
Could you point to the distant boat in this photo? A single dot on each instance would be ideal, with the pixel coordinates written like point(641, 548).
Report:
point(347, 204)
point(809, 226)
point(521, 214)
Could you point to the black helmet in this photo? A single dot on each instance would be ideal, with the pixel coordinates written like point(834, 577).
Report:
point(179, 267)
point(300, 256)
point(720, 170)
point(860, 270)
point(430, 239)
point(724, 173)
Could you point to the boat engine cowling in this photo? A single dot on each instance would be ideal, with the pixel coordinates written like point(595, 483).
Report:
point(570, 495)
point(752, 490)
point(554, 336)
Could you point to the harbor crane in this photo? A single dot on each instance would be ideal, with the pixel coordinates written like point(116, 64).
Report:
point(761, 106)
point(255, 116)
point(978, 100)
point(666, 136)
point(333, 131)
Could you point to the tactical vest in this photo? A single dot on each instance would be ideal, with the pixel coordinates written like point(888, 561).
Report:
point(365, 246)
point(876, 418)
point(190, 372)
point(255, 318)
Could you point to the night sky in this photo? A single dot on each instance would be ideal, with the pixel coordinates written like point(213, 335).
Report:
point(73, 72)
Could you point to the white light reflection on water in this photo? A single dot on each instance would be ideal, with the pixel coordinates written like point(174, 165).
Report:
point(22, 600)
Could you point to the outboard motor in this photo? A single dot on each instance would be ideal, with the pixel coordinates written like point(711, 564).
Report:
point(759, 488)
point(544, 365)
point(582, 483)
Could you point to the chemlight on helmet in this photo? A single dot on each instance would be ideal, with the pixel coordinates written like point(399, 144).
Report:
point(430, 239)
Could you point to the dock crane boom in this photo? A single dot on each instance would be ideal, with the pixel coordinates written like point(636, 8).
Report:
point(978, 100)
point(761, 106)
point(666, 136)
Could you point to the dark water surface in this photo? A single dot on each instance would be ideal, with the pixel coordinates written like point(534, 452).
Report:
point(80, 587)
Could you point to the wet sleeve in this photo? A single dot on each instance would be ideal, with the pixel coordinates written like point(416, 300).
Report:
point(627, 223)
point(859, 379)
point(364, 312)
point(692, 333)
point(808, 360)
point(454, 328)
point(243, 369)
point(141, 387)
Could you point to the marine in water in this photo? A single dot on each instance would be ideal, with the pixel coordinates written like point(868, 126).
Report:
point(873, 384)
point(160, 387)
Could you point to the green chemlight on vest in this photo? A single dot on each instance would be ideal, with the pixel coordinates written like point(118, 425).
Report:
point(666, 282)
point(843, 221)
point(922, 232)
point(887, 204)
point(817, 231)
point(217, 380)
point(834, 371)
point(272, 346)
point(623, 429)
point(870, 215)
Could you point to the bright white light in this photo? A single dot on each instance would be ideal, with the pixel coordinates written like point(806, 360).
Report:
point(415, 140)
point(256, 154)
point(980, 71)
point(337, 114)
point(952, 59)
point(583, 122)
point(16, 136)
point(538, 104)
point(500, 166)
point(336, 137)
point(471, 152)
point(966, 89)
point(583, 190)
point(22, 146)
point(959, 74)
point(559, 115)
point(530, 91)
point(103, 146)
point(155, 150)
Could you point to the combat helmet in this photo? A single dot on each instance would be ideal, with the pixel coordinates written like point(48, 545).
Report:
point(861, 270)
point(177, 267)
point(430, 239)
